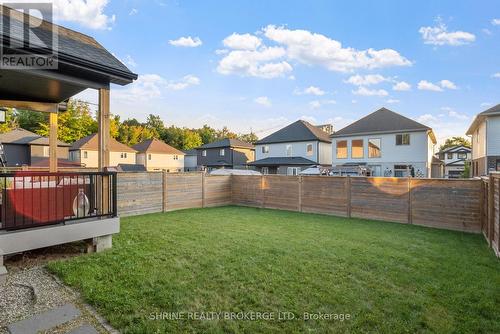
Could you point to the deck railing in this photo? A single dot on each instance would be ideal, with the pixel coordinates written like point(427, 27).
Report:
point(34, 199)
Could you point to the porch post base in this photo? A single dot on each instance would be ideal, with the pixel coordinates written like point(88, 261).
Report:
point(3, 270)
point(99, 244)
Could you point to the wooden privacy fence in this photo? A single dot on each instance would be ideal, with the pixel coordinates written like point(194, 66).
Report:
point(447, 204)
point(490, 219)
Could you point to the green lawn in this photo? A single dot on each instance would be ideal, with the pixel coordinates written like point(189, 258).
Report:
point(387, 277)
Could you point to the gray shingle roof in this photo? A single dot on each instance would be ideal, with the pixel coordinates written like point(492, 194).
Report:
point(297, 131)
point(282, 161)
point(156, 146)
point(380, 121)
point(71, 46)
point(24, 137)
point(481, 116)
point(227, 142)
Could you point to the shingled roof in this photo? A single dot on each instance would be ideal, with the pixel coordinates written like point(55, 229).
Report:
point(24, 137)
point(227, 142)
point(156, 146)
point(90, 143)
point(381, 121)
point(297, 131)
point(72, 47)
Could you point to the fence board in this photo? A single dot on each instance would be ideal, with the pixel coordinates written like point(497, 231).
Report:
point(184, 191)
point(247, 190)
point(322, 194)
point(139, 193)
point(281, 192)
point(217, 190)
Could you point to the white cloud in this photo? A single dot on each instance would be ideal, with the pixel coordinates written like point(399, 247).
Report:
point(496, 75)
point(486, 104)
point(486, 31)
point(311, 90)
point(392, 101)
point(369, 79)
point(188, 42)
point(128, 60)
point(426, 119)
point(426, 85)
point(309, 119)
point(263, 100)
point(185, 82)
point(255, 63)
point(242, 42)
point(88, 13)
point(447, 84)
point(370, 92)
point(316, 104)
point(495, 22)
point(452, 113)
point(445, 125)
point(439, 35)
point(146, 87)
point(316, 49)
point(133, 11)
point(402, 86)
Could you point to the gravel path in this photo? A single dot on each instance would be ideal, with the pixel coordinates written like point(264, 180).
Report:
point(33, 290)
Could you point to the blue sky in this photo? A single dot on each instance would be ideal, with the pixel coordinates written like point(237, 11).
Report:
point(323, 61)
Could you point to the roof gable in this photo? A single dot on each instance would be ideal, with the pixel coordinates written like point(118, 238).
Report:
point(382, 120)
point(297, 131)
point(156, 146)
point(493, 111)
point(90, 143)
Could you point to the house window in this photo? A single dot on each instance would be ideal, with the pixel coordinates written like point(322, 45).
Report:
point(46, 151)
point(374, 148)
point(123, 155)
point(309, 150)
point(265, 149)
point(265, 170)
point(289, 150)
point(222, 152)
point(341, 149)
point(401, 170)
point(176, 157)
point(85, 154)
point(403, 139)
point(449, 155)
point(204, 153)
point(149, 156)
point(462, 155)
point(357, 149)
point(293, 171)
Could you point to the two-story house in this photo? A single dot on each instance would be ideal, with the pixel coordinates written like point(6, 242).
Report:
point(455, 158)
point(485, 132)
point(85, 152)
point(157, 155)
point(225, 153)
point(387, 143)
point(293, 149)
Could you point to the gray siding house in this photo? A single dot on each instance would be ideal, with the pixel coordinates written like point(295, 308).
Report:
point(485, 132)
point(225, 153)
point(293, 149)
point(23, 147)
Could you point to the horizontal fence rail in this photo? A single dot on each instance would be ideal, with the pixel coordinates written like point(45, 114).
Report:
point(34, 199)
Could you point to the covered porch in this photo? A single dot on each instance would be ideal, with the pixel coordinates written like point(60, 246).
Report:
point(40, 209)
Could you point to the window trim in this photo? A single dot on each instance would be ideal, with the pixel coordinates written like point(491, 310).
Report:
point(402, 141)
point(362, 149)
point(204, 153)
point(265, 149)
point(287, 149)
point(337, 149)
point(379, 148)
point(222, 152)
point(309, 153)
point(449, 155)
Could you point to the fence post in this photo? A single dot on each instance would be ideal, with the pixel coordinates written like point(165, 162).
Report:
point(164, 190)
point(410, 214)
point(300, 193)
point(202, 190)
point(348, 194)
point(491, 208)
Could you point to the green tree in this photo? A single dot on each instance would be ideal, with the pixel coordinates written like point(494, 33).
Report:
point(225, 133)
point(10, 121)
point(190, 139)
point(73, 124)
point(155, 122)
point(207, 134)
point(248, 137)
point(455, 141)
point(466, 173)
point(30, 120)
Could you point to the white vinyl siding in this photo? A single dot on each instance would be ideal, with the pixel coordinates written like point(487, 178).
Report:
point(493, 135)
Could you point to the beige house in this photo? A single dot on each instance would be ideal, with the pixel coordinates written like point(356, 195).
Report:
point(156, 155)
point(85, 152)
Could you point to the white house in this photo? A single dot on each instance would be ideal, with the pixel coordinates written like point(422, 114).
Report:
point(389, 144)
point(292, 149)
point(156, 155)
point(454, 159)
point(485, 132)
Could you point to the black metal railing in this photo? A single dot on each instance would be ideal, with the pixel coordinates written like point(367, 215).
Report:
point(34, 199)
